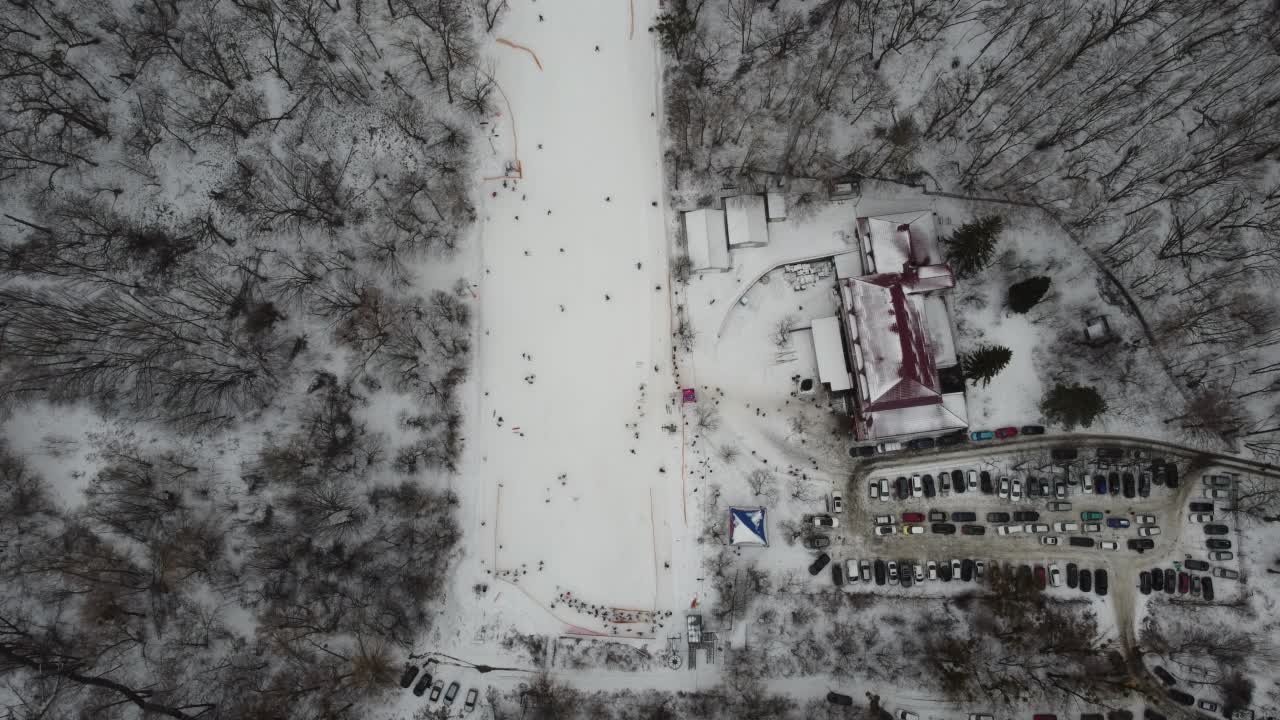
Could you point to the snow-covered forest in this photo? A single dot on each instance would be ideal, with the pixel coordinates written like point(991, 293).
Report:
point(1147, 130)
point(219, 223)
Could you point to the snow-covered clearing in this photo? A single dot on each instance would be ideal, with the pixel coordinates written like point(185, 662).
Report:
point(571, 485)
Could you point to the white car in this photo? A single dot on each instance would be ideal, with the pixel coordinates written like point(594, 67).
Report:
point(837, 502)
point(888, 447)
point(1221, 555)
point(1146, 520)
point(972, 477)
point(1066, 526)
point(1049, 540)
point(1086, 485)
point(933, 570)
point(884, 519)
point(1201, 517)
point(980, 716)
point(882, 530)
point(955, 569)
point(884, 489)
point(893, 572)
point(917, 487)
point(1004, 488)
point(1225, 573)
point(1216, 494)
point(1148, 531)
point(979, 569)
point(825, 521)
point(1055, 576)
point(1008, 529)
point(873, 489)
point(851, 570)
point(1092, 527)
point(864, 569)
point(919, 573)
point(1015, 492)
point(1109, 545)
point(1035, 528)
point(912, 529)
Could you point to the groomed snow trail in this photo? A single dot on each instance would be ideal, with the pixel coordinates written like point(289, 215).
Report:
point(568, 465)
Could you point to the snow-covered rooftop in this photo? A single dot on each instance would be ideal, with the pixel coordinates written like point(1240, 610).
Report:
point(829, 350)
point(893, 241)
point(746, 221)
point(948, 415)
point(747, 526)
point(898, 367)
point(705, 232)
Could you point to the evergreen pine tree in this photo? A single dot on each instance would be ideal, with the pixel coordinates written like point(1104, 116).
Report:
point(1072, 405)
point(1024, 295)
point(985, 363)
point(973, 244)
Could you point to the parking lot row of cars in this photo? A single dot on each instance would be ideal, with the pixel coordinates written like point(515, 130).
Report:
point(1016, 488)
point(438, 688)
point(1180, 581)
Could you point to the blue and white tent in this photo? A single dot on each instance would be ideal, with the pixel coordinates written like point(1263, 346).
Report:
point(747, 526)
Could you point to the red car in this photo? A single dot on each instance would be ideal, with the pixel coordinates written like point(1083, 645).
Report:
point(912, 517)
point(1184, 583)
point(1044, 717)
point(1040, 578)
point(1005, 433)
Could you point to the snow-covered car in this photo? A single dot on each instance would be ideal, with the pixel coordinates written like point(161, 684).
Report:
point(912, 529)
point(1008, 529)
point(917, 486)
point(1109, 545)
point(1216, 494)
point(1086, 486)
point(1091, 527)
point(1055, 576)
point(971, 476)
point(1146, 519)
point(1049, 540)
point(825, 521)
point(1035, 528)
point(1015, 490)
point(1200, 517)
point(955, 568)
point(1208, 705)
point(837, 502)
point(1217, 481)
point(888, 447)
point(933, 570)
point(1221, 555)
point(1004, 488)
point(883, 519)
point(851, 569)
point(919, 570)
point(864, 570)
point(1149, 530)
point(1066, 526)
point(873, 490)
point(435, 691)
point(1225, 573)
point(882, 530)
point(884, 489)
point(470, 703)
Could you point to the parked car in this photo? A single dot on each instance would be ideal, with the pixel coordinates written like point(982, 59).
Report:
point(873, 490)
point(435, 691)
point(1055, 576)
point(1049, 540)
point(921, 444)
point(452, 693)
point(1184, 583)
point(889, 447)
point(423, 683)
point(882, 519)
point(817, 565)
point(1218, 481)
point(966, 569)
point(470, 703)
point(851, 570)
point(1197, 565)
point(1064, 453)
point(973, 529)
point(997, 517)
point(944, 571)
point(929, 490)
point(837, 502)
point(864, 570)
point(865, 451)
point(1026, 516)
point(1035, 528)
point(1215, 493)
point(902, 488)
point(1091, 516)
point(981, 716)
point(1099, 485)
point(1113, 483)
point(837, 575)
point(1202, 507)
point(963, 516)
point(1170, 581)
point(1200, 517)
point(1086, 581)
point(1144, 582)
point(1164, 675)
point(1225, 574)
point(904, 574)
point(1066, 526)
point(1157, 580)
point(1118, 523)
point(1171, 476)
point(817, 542)
point(1180, 697)
point(893, 572)
point(944, 483)
point(1100, 581)
point(1073, 575)
point(1141, 544)
point(1145, 519)
point(1216, 530)
point(1005, 433)
point(1015, 490)
point(1032, 430)
point(1091, 527)
point(825, 521)
point(1008, 529)
point(1110, 453)
point(1209, 705)
point(1060, 489)
point(1221, 556)
point(1077, 541)
point(1040, 577)
point(1149, 531)
point(907, 715)
point(943, 529)
point(1059, 506)
point(932, 572)
point(971, 476)
point(981, 435)
point(882, 530)
point(1207, 584)
point(937, 516)
point(1130, 488)
point(406, 677)
point(1144, 484)
point(917, 486)
point(1004, 488)
point(912, 529)
point(957, 481)
point(836, 698)
point(912, 517)
point(880, 572)
point(1107, 544)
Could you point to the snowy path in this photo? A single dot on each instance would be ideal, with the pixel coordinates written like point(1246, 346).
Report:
point(578, 486)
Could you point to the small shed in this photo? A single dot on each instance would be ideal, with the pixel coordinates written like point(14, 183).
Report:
point(775, 204)
point(828, 348)
point(1097, 331)
point(746, 221)
point(704, 231)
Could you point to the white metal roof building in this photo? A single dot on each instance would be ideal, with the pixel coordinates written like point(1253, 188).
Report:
point(704, 232)
point(746, 221)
